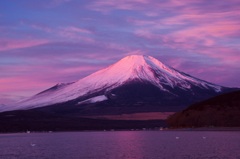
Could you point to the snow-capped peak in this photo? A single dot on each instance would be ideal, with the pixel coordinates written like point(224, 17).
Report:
point(128, 68)
point(145, 68)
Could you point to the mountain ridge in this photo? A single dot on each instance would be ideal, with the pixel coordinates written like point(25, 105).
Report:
point(135, 69)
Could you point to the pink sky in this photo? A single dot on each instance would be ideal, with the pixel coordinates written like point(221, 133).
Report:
point(46, 42)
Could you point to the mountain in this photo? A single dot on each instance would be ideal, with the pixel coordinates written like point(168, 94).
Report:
point(220, 111)
point(136, 83)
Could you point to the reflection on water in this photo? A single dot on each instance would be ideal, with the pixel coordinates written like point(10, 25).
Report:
point(121, 144)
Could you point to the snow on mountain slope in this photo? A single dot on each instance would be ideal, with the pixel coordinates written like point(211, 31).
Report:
point(94, 99)
point(134, 67)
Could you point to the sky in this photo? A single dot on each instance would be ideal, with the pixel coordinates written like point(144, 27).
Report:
point(45, 42)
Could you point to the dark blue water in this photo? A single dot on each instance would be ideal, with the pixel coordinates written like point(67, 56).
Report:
point(122, 144)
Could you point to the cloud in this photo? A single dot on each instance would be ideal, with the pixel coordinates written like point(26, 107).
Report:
point(75, 33)
point(57, 2)
point(9, 44)
point(68, 32)
point(108, 5)
point(206, 34)
point(76, 30)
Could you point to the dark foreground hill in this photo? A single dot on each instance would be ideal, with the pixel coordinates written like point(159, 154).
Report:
point(220, 111)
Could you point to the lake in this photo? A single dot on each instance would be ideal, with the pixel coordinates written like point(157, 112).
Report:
point(122, 145)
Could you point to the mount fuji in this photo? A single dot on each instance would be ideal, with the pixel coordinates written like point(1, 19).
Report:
point(136, 83)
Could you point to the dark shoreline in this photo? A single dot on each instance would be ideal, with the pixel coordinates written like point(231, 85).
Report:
point(206, 129)
point(76, 124)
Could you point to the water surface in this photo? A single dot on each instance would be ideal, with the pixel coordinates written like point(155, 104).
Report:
point(122, 145)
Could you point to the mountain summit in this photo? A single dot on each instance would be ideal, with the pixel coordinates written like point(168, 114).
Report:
point(136, 83)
